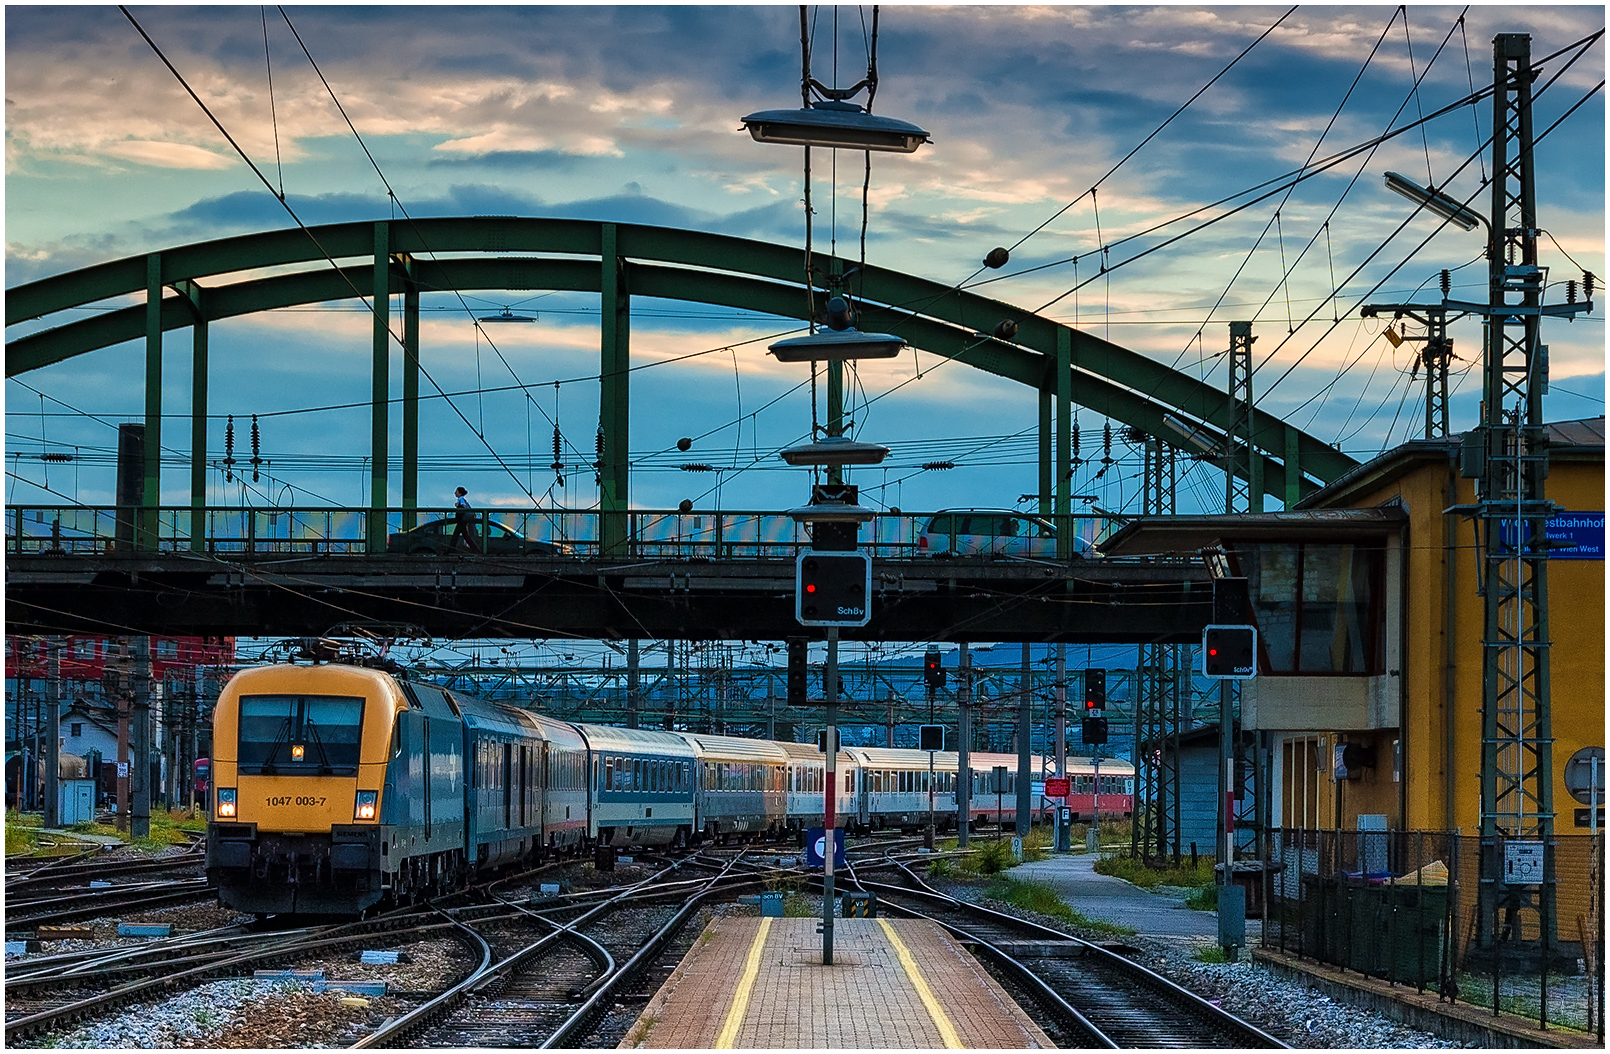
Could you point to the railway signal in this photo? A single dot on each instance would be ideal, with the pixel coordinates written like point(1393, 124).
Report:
point(933, 674)
point(1094, 727)
point(831, 589)
point(1229, 652)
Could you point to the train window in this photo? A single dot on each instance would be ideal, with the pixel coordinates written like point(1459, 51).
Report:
point(327, 727)
point(609, 774)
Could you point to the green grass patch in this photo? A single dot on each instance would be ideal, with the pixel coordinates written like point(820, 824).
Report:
point(1136, 872)
point(988, 858)
point(20, 839)
point(1211, 954)
point(1041, 898)
point(1204, 899)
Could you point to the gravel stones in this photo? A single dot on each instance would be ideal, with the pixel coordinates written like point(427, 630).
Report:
point(233, 1013)
point(1288, 1010)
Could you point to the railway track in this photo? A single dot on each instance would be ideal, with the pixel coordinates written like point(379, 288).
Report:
point(52, 878)
point(42, 910)
point(64, 993)
point(1093, 996)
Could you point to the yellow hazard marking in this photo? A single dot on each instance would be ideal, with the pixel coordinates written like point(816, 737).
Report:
point(941, 1020)
point(746, 982)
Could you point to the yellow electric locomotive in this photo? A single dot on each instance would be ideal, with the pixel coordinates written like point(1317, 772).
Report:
point(333, 785)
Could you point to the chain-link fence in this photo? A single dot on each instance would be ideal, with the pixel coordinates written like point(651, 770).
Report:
point(1516, 925)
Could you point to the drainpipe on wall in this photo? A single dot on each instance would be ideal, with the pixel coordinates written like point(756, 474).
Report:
point(1450, 568)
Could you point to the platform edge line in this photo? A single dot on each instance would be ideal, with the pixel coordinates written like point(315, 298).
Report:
point(941, 1020)
point(746, 983)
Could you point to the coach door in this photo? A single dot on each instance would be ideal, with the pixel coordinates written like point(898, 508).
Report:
point(429, 775)
point(508, 784)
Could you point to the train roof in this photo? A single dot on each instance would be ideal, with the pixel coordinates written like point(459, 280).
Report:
point(635, 740)
point(808, 752)
point(734, 748)
point(897, 757)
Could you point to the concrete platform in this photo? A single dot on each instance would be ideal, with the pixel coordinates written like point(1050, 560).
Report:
point(1111, 899)
point(753, 983)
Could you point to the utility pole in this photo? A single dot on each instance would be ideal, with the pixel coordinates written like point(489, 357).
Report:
point(52, 803)
point(1025, 772)
point(1433, 357)
point(120, 685)
point(140, 742)
point(1508, 456)
point(964, 744)
point(1157, 686)
point(632, 683)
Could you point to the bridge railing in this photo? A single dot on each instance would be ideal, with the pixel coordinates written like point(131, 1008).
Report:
point(651, 534)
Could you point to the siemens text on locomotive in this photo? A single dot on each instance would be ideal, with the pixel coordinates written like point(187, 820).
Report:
point(335, 786)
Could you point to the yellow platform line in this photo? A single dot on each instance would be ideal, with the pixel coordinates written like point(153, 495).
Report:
point(941, 1020)
point(746, 983)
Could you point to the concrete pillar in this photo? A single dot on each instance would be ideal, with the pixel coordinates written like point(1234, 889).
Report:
point(380, 390)
point(146, 534)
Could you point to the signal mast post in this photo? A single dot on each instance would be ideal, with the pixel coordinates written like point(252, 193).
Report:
point(830, 797)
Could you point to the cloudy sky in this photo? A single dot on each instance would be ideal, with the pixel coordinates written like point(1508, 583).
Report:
point(631, 114)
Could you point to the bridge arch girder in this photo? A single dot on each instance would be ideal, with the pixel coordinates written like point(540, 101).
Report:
point(657, 261)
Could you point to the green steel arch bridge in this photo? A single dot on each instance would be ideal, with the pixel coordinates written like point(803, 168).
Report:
point(53, 574)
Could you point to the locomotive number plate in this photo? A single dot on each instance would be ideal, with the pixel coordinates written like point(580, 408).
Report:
point(302, 799)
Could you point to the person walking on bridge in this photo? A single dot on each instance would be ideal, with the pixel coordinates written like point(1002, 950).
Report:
point(464, 527)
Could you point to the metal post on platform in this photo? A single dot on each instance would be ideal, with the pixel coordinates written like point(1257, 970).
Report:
point(830, 796)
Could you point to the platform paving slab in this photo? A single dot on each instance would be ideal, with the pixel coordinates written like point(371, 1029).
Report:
point(868, 999)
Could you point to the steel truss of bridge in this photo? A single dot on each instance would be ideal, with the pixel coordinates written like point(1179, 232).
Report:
point(463, 596)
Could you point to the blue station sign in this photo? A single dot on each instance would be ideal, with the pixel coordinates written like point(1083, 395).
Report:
point(1571, 535)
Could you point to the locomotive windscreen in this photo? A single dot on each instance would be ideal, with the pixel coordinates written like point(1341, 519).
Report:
point(300, 735)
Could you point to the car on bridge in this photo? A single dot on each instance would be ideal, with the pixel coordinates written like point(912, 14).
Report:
point(995, 532)
point(436, 537)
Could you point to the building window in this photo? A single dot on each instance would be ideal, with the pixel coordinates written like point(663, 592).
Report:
point(78, 729)
point(1317, 606)
point(167, 649)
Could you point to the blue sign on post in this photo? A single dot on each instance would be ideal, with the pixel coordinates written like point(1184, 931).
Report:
point(1571, 535)
point(816, 842)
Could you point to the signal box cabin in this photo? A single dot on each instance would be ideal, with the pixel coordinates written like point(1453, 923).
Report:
point(1368, 697)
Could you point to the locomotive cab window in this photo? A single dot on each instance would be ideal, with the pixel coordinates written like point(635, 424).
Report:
point(300, 734)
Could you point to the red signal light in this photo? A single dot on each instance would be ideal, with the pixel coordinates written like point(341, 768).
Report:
point(810, 587)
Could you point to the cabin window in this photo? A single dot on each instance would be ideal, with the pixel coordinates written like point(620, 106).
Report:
point(78, 729)
point(300, 734)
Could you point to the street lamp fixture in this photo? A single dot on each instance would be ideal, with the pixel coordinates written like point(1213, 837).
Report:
point(507, 316)
point(1195, 435)
point(831, 512)
point(1435, 201)
point(840, 340)
point(836, 124)
point(836, 450)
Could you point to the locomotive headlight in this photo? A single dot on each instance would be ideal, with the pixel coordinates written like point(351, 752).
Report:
point(226, 801)
point(298, 752)
point(365, 809)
